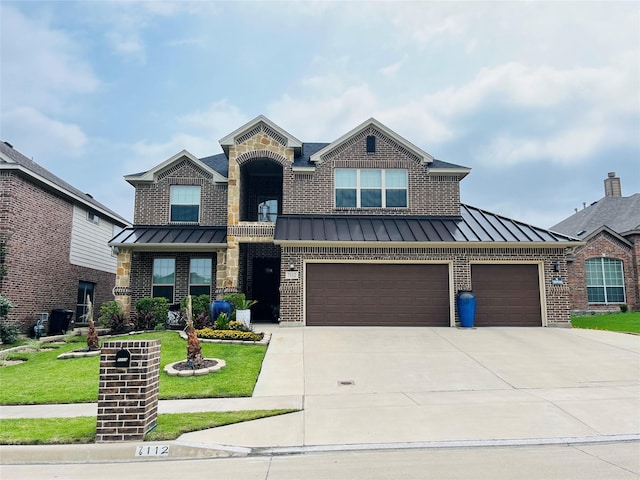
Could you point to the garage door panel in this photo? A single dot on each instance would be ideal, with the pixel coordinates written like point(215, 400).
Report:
point(506, 294)
point(377, 294)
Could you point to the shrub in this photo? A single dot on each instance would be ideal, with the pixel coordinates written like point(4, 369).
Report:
point(199, 309)
point(222, 322)
point(9, 334)
point(151, 312)
point(5, 306)
point(112, 317)
point(238, 326)
point(624, 308)
point(212, 334)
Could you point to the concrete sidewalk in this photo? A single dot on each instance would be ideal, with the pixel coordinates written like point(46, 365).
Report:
point(362, 388)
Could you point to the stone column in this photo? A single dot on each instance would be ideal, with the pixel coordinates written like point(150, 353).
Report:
point(128, 393)
point(122, 289)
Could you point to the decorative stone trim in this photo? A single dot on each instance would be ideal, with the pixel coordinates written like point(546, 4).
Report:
point(86, 353)
point(196, 372)
point(253, 230)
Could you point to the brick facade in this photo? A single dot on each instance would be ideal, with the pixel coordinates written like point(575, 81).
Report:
point(555, 296)
point(152, 201)
point(37, 224)
point(604, 244)
point(128, 397)
point(431, 192)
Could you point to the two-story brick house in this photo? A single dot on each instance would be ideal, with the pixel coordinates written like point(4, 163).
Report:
point(56, 242)
point(366, 230)
point(605, 272)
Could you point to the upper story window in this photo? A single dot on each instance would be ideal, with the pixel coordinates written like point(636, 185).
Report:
point(370, 188)
point(267, 209)
point(185, 203)
point(93, 218)
point(605, 280)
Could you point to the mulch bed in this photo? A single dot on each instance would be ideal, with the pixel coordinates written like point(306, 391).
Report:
point(204, 363)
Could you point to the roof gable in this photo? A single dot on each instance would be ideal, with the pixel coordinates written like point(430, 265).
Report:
point(157, 171)
point(620, 214)
point(376, 128)
point(259, 124)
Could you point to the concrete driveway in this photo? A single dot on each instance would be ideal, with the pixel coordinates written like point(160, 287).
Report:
point(421, 385)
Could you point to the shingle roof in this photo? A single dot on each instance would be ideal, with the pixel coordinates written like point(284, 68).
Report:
point(174, 237)
point(474, 226)
point(620, 214)
point(38, 171)
point(220, 163)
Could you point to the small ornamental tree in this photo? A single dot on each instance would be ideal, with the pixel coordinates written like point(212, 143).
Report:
point(92, 336)
point(194, 351)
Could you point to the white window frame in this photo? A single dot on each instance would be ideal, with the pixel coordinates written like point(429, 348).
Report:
point(383, 188)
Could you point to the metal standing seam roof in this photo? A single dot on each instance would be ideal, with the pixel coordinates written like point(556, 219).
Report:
point(174, 236)
point(474, 226)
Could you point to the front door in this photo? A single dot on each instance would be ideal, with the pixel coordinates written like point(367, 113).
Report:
point(266, 289)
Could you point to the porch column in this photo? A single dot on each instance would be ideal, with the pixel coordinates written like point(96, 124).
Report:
point(122, 289)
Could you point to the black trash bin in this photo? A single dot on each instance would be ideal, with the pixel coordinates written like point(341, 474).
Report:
point(59, 320)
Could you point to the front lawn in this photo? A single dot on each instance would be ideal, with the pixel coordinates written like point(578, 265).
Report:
point(45, 379)
point(44, 431)
point(616, 322)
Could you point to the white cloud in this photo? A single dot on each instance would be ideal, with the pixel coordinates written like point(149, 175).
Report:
point(54, 138)
point(42, 67)
point(390, 71)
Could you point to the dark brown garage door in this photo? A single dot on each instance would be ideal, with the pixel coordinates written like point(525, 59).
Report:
point(506, 295)
point(377, 295)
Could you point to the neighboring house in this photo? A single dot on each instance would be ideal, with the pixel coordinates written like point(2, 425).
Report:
point(366, 230)
point(56, 242)
point(605, 272)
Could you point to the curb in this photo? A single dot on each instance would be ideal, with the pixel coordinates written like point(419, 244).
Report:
point(176, 450)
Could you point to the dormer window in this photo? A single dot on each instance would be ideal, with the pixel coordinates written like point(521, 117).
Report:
point(185, 203)
point(371, 144)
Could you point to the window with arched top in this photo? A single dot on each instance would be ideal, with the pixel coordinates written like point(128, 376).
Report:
point(605, 280)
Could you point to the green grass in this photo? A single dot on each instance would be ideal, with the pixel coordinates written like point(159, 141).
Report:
point(616, 322)
point(42, 431)
point(45, 379)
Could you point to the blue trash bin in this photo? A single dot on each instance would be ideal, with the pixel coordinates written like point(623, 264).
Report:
point(466, 302)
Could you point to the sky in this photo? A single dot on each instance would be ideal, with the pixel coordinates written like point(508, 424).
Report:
point(540, 99)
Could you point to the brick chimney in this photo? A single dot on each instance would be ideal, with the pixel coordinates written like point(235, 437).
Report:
point(612, 186)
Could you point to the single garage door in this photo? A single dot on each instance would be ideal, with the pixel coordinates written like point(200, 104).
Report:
point(358, 294)
point(506, 295)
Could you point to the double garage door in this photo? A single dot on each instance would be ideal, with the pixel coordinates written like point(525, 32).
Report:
point(417, 295)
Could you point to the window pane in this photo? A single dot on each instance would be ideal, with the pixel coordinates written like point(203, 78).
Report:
point(268, 211)
point(185, 213)
point(615, 294)
point(200, 290)
point(200, 271)
point(595, 294)
point(370, 178)
point(166, 292)
point(164, 271)
point(346, 177)
point(345, 198)
point(395, 178)
point(593, 268)
point(185, 194)
point(370, 198)
point(396, 198)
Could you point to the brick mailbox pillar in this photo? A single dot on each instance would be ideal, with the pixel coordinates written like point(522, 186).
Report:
point(128, 394)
